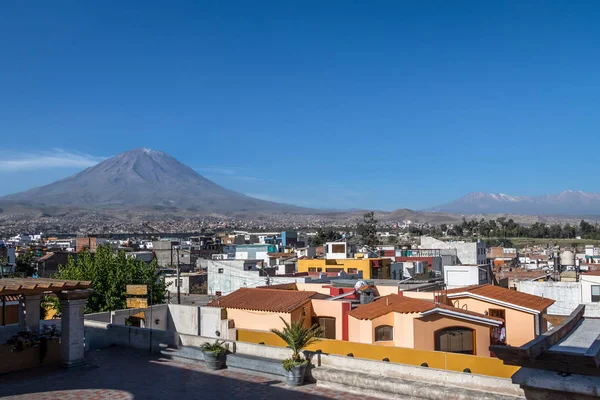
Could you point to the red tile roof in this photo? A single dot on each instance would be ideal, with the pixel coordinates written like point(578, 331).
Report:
point(405, 305)
point(504, 295)
point(256, 299)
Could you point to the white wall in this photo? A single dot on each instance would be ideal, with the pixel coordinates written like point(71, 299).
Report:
point(567, 296)
point(184, 319)
point(456, 276)
point(234, 277)
point(587, 281)
point(158, 312)
point(212, 321)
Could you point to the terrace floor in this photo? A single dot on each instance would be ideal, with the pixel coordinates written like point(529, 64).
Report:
point(121, 373)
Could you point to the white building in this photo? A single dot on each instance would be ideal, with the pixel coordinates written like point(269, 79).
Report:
point(466, 252)
point(187, 282)
point(456, 276)
point(590, 287)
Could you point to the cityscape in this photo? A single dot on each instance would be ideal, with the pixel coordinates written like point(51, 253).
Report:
point(309, 201)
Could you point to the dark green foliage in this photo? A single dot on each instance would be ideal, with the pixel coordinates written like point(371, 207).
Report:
point(367, 230)
point(25, 264)
point(110, 273)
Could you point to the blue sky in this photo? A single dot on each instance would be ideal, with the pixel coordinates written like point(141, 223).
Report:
point(336, 104)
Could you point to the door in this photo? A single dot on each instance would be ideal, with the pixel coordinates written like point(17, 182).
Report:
point(327, 324)
point(455, 340)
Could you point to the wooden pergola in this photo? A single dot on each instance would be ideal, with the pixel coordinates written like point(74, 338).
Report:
point(72, 295)
point(38, 286)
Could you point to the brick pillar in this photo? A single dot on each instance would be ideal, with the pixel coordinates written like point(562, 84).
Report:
point(72, 346)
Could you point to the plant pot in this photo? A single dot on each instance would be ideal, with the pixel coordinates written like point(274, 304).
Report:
point(212, 361)
point(295, 376)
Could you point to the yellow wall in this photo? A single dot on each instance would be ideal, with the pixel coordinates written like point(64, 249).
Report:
point(520, 326)
point(425, 328)
point(434, 359)
point(363, 265)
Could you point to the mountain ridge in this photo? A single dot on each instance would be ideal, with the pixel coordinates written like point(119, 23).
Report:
point(567, 202)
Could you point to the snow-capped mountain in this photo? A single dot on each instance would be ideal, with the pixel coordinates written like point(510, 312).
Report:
point(568, 202)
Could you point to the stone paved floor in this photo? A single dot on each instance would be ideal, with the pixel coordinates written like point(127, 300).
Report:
point(119, 373)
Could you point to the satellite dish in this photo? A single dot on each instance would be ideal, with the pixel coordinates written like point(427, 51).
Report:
point(359, 284)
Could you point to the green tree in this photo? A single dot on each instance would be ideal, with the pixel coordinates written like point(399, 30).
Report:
point(368, 230)
point(25, 264)
point(109, 274)
point(323, 236)
point(297, 336)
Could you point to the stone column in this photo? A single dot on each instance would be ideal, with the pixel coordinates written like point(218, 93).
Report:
point(72, 341)
point(32, 312)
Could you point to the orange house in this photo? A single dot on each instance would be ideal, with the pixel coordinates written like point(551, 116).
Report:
point(523, 314)
point(262, 309)
point(400, 321)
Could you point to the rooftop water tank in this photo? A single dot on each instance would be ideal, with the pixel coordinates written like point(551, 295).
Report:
point(567, 258)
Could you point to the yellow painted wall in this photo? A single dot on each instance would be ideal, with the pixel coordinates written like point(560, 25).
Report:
point(363, 265)
point(425, 328)
point(520, 326)
point(434, 359)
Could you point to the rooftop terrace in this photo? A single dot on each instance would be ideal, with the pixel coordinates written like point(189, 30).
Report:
point(121, 373)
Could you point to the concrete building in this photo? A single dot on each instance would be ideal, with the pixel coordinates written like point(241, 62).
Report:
point(226, 276)
point(466, 252)
point(188, 281)
point(145, 256)
point(590, 287)
point(456, 276)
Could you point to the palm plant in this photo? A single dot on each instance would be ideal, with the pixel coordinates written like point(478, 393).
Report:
point(297, 337)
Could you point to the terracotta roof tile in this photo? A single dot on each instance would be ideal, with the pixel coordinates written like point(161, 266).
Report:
point(405, 305)
point(273, 300)
point(509, 296)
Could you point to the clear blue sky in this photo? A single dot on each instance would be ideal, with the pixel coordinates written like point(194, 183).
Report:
point(343, 104)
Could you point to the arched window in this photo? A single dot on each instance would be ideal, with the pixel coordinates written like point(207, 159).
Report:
point(455, 340)
point(384, 333)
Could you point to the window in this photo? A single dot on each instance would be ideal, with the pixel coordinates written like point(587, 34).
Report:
point(327, 324)
point(338, 248)
point(384, 333)
point(319, 269)
point(454, 340)
point(352, 270)
point(220, 270)
point(312, 269)
point(595, 293)
point(179, 282)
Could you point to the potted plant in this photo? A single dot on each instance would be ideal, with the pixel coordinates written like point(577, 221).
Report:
point(214, 354)
point(297, 337)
